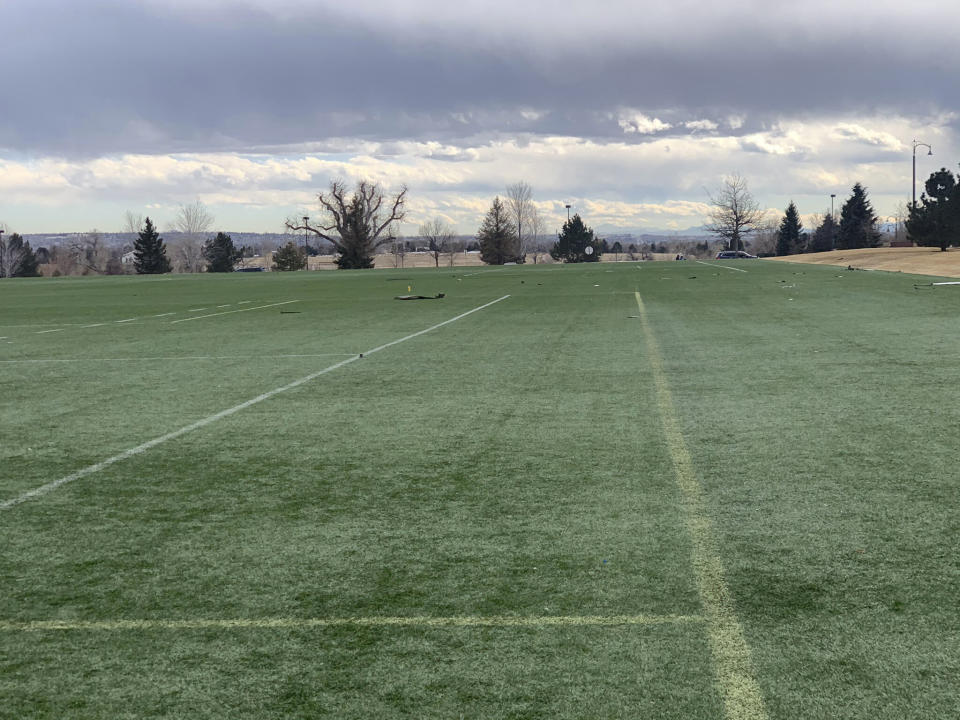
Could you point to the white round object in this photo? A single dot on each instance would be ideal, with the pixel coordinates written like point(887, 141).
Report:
point(589, 250)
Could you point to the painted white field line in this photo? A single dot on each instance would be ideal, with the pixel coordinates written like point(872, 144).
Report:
point(44, 332)
point(726, 267)
point(227, 312)
point(90, 469)
point(197, 309)
point(163, 314)
point(174, 357)
point(244, 302)
point(125, 321)
point(732, 664)
point(82, 327)
point(371, 621)
point(227, 305)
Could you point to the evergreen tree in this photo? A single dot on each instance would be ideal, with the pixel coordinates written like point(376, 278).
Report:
point(289, 257)
point(221, 254)
point(498, 242)
point(358, 246)
point(573, 241)
point(858, 223)
point(25, 261)
point(790, 237)
point(935, 222)
point(825, 236)
point(150, 252)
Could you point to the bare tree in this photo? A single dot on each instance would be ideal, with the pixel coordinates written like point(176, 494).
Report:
point(534, 232)
point(356, 224)
point(765, 236)
point(439, 236)
point(10, 255)
point(735, 213)
point(192, 221)
point(520, 206)
point(132, 224)
point(90, 252)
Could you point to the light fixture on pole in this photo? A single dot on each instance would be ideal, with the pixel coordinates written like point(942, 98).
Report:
point(568, 213)
point(832, 196)
point(917, 144)
point(305, 255)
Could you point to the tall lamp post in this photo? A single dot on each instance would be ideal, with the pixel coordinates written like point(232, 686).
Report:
point(568, 213)
point(832, 196)
point(306, 256)
point(930, 152)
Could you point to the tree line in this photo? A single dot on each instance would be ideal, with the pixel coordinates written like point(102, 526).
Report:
point(933, 222)
point(358, 221)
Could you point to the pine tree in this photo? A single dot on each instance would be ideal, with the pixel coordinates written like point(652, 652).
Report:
point(825, 236)
point(858, 223)
point(20, 258)
point(221, 254)
point(935, 222)
point(289, 257)
point(149, 252)
point(789, 237)
point(29, 265)
point(498, 242)
point(573, 241)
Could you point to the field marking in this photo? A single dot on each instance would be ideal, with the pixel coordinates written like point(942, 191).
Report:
point(163, 314)
point(174, 357)
point(43, 332)
point(143, 447)
point(125, 321)
point(727, 267)
point(736, 680)
point(228, 312)
point(197, 309)
point(244, 302)
point(227, 305)
point(372, 621)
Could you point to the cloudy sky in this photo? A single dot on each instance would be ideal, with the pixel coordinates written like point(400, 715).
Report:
point(630, 110)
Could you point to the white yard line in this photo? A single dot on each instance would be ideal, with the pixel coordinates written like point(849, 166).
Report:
point(244, 302)
point(732, 659)
point(220, 306)
point(726, 267)
point(125, 321)
point(163, 314)
point(90, 469)
point(42, 332)
point(228, 312)
point(175, 357)
point(197, 309)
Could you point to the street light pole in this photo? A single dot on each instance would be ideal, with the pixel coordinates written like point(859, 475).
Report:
point(568, 213)
point(832, 196)
point(306, 256)
point(917, 144)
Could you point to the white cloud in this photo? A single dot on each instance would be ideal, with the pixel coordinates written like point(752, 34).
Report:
point(636, 122)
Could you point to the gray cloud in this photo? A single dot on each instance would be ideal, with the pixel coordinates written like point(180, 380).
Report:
point(105, 77)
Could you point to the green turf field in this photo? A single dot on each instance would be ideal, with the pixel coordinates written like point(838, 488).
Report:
point(662, 490)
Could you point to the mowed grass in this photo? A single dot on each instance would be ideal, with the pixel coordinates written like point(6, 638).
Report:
point(510, 468)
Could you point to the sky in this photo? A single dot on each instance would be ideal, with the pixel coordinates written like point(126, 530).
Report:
point(631, 111)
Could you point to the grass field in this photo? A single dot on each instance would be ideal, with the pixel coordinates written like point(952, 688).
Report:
point(671, 490)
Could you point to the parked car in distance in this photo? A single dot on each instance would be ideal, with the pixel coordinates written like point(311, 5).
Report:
point(733, 255)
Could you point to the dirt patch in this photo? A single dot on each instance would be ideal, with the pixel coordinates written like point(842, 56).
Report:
point(918, 260)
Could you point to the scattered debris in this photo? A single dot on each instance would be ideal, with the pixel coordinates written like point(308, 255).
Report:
point(420, 297)
point(917, 286)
